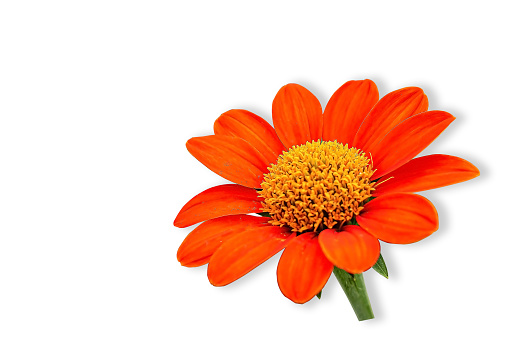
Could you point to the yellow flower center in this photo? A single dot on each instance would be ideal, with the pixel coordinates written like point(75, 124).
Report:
point(316, 186)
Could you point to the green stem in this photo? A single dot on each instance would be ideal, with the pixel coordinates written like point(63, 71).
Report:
point(354, 288)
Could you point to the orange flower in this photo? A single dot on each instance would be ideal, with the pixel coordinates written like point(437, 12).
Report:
point(332, 185)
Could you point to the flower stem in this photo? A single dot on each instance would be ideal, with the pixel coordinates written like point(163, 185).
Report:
point(356, 292)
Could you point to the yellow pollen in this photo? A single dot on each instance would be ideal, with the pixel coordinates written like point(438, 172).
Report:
point(316, 186)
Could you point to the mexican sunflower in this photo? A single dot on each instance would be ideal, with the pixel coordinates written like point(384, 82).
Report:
point(326, 187)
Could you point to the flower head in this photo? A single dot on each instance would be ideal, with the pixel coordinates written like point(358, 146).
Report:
point(328, 186)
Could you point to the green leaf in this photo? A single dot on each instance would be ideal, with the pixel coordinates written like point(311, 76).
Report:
point(356, 292)
point(319, 294)
point(264, 214)
point(380, 267)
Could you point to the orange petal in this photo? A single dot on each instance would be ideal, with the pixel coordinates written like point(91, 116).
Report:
point(253, 129)
point(347, 109)
point(352, 248)
point(227, 199)
point(399, 218)
point(198, 247)
point(392, 109)
point(297, 115)
point(407, 140)
point(303, 269)
point(230, 157)
point(425, 173)
point(244, 252)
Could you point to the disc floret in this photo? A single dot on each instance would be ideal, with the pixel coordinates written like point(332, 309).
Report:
point(317, 185)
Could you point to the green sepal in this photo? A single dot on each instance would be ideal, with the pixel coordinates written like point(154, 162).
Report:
point(356, 292)
point(264, 214)
point(370, 198)
point(319, 294)
point(380, 267)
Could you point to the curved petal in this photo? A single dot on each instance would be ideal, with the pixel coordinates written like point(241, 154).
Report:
point(347, 109)
point(407, 140)
point(198, 247)
point(392, 109)
point(251, 128)
point(222, 200)
point(297, 115)
point(399, 218)
point(425, 173)
point(352, 248)
point(244, 252)
point(303, 270)
point(230, 157)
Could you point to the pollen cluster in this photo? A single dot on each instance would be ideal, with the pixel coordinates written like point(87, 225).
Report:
point(316, 186)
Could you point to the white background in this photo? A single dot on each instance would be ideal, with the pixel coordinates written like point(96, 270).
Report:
point(97, 100)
